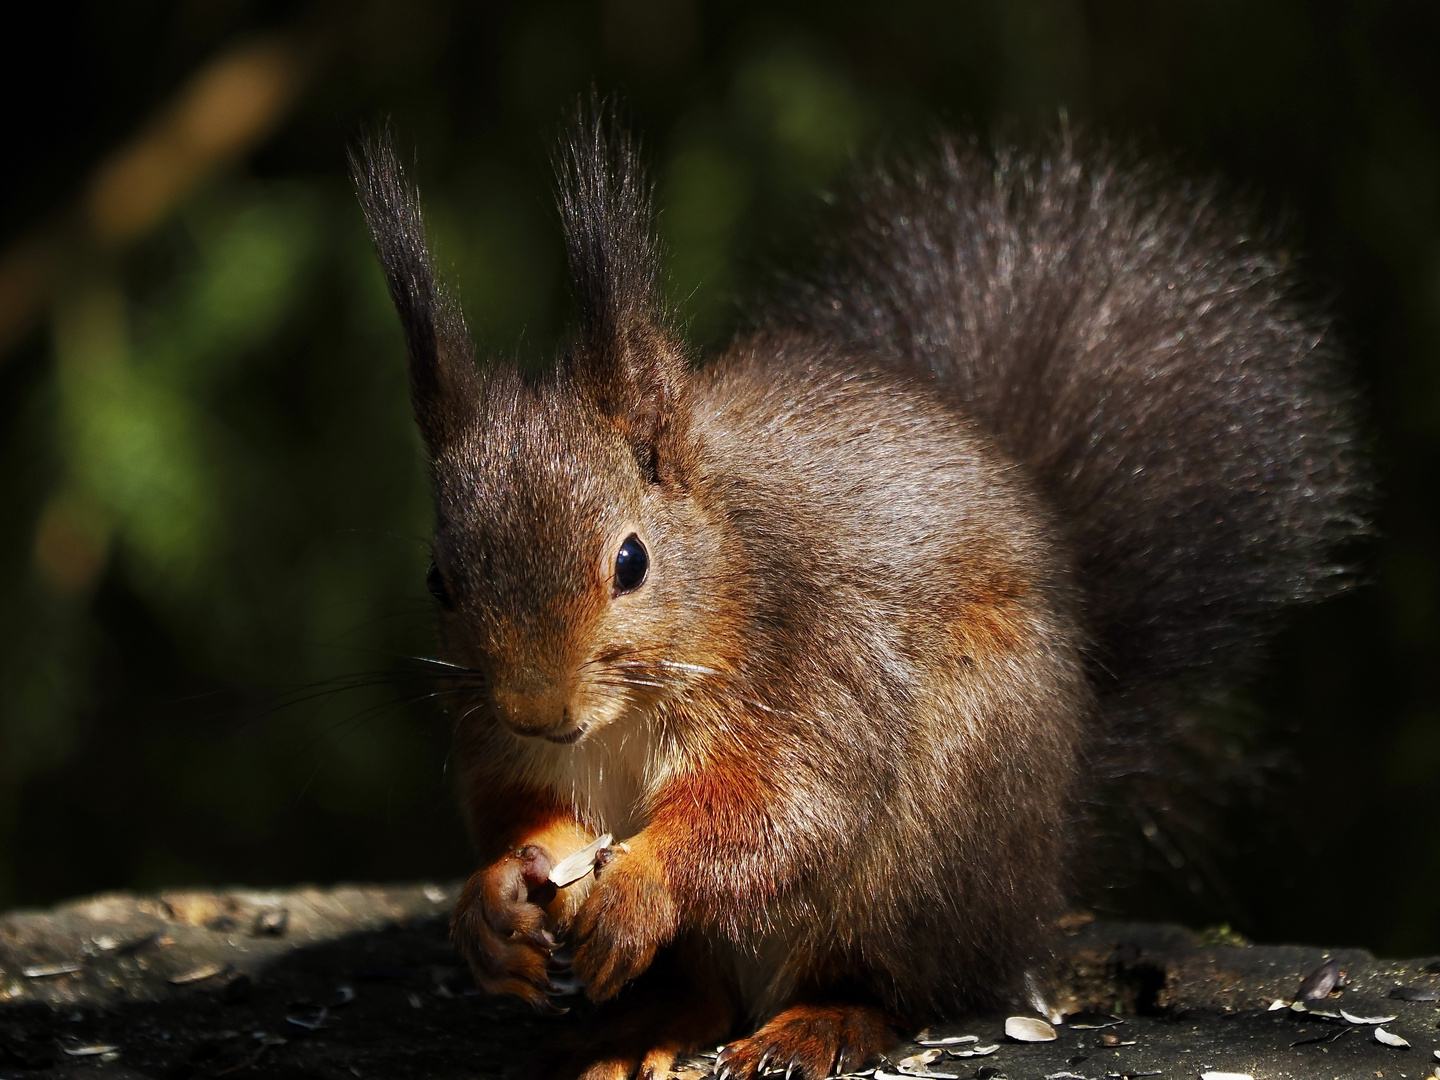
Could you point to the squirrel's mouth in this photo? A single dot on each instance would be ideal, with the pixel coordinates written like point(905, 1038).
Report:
point(568, 737)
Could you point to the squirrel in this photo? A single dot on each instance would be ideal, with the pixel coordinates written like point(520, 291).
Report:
point(840, 629)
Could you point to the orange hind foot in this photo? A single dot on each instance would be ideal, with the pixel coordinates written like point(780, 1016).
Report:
point(810, 1042)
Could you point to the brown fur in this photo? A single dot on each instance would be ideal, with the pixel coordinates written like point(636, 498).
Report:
point(844, 723)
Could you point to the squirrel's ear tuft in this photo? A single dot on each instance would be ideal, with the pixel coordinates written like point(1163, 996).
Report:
point(629, 357)
point(443, 379)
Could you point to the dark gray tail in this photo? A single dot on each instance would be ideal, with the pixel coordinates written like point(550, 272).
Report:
point(1134, 347)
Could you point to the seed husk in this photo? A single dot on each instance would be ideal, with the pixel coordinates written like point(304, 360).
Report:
point(574, 867)
point(1029, 1029)
point(199, 974)
point(46, 971)
point(1320, 982)
point(919, 1061)
point(978, 1051)
point(1090, 1021)
point(1414, 993)
point(1389, 1038)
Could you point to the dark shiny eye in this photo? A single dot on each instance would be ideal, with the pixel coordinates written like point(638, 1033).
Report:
point(631, 564)
point(436, 584)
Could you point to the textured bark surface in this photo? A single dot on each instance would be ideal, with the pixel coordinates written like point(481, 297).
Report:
point(360, 981)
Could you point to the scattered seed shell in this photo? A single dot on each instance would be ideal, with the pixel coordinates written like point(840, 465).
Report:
point(949, 1040)
point(1320, 982)
point(1364, 1020)
point(1225, 1076)
point(311, 1023)
point(46, 971)
point(1029, 1029)
point(1414, 993)
point(1390, 1039)
point(1278, 1003)
point(1091, 1021)
point(978, 1051)
point(199, 974)
point(919, 1061)
point(90, 1051)
point(574, 867)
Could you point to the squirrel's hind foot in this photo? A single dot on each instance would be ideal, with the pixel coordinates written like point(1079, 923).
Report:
point(810, 1042)
point(670, 1010)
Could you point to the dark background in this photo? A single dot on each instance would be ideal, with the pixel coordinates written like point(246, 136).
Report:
point(212, 505)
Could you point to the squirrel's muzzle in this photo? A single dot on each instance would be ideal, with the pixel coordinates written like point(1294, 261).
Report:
point(536, 707)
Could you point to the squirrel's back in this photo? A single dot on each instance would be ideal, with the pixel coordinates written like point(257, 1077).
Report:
point(1129, 342)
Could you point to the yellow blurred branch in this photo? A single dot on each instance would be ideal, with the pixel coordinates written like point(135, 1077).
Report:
point(224, 111)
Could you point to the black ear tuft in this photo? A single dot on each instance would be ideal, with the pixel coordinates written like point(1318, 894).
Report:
point(629, 357)
point(443, 379)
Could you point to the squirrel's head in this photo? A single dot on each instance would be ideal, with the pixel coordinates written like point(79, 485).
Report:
point(573, 561)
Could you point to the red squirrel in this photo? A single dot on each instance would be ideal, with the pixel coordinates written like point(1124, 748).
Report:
point(838, 629)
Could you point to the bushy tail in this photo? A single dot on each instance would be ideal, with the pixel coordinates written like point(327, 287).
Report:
point(1143, 356)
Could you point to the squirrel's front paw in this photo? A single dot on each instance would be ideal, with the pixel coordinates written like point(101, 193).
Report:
point(629, 914)
point(499, 927)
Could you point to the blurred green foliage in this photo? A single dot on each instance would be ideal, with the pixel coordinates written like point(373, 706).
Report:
point(214, 537)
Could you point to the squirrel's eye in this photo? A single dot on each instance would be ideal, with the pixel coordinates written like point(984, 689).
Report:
point(436, 584)
point(631, 564)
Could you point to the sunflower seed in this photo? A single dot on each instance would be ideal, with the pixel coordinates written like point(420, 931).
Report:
point(916, 1061)
point(978, 1051)
point(1321, 981)
point(45, 971)
point(311, 1023)
point(1365, 1020)
point(1090, 1021)
point(1413, 993)
point(1278, 1004)
point(1390, 1039)
point(1028, 1029)
point(199, 974)
point(90, 1051)
point(948, 1040)
point(574, 867)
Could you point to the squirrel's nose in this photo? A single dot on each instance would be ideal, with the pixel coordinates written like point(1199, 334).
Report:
point(532, 705)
